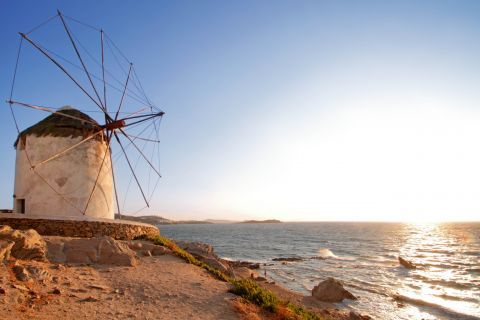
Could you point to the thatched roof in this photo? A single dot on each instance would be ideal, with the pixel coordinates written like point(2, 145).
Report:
point(58, 125)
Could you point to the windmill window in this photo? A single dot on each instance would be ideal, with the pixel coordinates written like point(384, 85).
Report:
point(20, 206)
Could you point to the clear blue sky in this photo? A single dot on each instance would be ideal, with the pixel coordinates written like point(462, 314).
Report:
point(298, 110)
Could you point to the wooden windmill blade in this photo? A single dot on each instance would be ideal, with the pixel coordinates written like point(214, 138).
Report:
point(128, 129)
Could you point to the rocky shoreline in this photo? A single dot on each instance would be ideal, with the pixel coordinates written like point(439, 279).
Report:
point(73, 278)
point(323, 295)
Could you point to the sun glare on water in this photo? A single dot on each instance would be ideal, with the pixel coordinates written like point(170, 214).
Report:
point(435, 282)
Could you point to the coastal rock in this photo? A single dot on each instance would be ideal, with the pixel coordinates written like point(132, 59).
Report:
point(29, 245)
point(100, 250)
point(5, 249)
point(204, 252)
point(217, 264)
point(142, 247)
point(405, 263)
point(318, 258)
point(242, 264)
point(113, 252)
point(196, 248)
point(331, 290)
point(352, 315)
point(288, 259)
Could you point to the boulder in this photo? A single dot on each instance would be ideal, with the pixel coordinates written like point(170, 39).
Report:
point(5, 249)
point(405, 263)
point(100, 250)
point(217, 264)
point(196, 248)
point(29, 245)
point(142, 247)
point(239, 264)
point(204, 252)
point(113, 252)
point(331, 290)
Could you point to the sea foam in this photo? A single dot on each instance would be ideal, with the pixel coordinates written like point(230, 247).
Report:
point(326, 253)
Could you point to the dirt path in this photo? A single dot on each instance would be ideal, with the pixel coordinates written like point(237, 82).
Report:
point(162, 287)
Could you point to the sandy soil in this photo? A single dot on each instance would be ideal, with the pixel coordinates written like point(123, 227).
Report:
point(162, 287)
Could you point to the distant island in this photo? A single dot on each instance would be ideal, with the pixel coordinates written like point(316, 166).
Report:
point(156, 220)
point(262, 221)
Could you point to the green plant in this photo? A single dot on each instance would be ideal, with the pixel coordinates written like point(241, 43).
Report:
point(253, 292)
point(304, 314)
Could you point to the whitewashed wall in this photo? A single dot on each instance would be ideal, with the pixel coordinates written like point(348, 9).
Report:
point(73, 175)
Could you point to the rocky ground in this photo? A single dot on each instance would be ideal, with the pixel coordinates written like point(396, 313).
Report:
point(122, 286)
point(100, 278)
point(88, 292)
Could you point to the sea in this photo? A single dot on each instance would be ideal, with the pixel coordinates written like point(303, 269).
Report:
point(364, 256)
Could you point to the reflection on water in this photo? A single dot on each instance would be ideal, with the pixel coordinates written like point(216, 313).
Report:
point(445, 285)
point(442, 253)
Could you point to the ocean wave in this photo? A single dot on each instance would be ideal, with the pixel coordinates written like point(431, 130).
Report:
point(455, 298)
point(325, 253)
point(445, 283)
point(378, 260)
point(438, 265)
point(422, 303)
point(227, 258)
point(440, 251)
point(368, 289)
point(284, 276)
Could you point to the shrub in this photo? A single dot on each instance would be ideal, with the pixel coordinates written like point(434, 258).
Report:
point(253, 292)
point(302, 313)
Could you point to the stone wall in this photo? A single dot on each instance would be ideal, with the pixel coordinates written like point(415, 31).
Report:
point(84, 229)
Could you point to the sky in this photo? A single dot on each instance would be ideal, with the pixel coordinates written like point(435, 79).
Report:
point(294, 110)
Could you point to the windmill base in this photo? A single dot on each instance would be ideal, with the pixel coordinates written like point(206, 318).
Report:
point(81, 228)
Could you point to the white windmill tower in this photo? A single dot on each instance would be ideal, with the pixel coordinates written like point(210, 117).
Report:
point(67, 148)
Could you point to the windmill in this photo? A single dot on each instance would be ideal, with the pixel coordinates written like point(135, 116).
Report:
point(66, 163)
